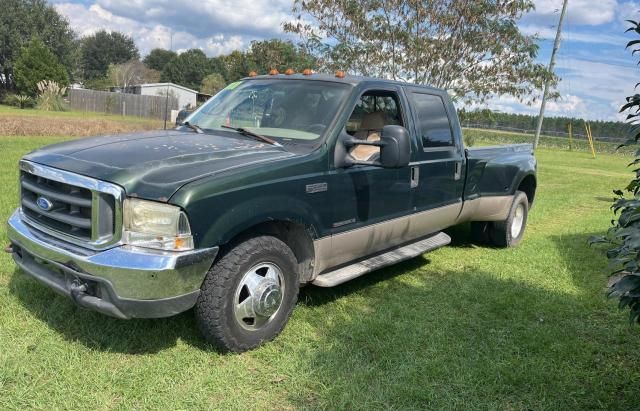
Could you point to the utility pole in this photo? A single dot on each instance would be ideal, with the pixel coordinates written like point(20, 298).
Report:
point(552, 65)
point(166, 99)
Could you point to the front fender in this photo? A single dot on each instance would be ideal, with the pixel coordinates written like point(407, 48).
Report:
point(222, 227)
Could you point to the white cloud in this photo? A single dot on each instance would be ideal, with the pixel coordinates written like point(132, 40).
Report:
point(205, 18)
point(87, 20)
point(549, 33)
point(579, 12)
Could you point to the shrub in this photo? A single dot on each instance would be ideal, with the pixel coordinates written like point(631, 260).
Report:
point(624, 235)
point(19, 100)
point(36, 63)
point(51, 96)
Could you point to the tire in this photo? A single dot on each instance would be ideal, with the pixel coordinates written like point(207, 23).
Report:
point(509, 233)
point(480, 232)
point(235, 309)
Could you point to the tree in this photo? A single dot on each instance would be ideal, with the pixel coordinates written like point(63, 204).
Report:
point(35, 64)
point(157, 59)
point(20, 21)
point(624, 236)
point(278, 54)
point(131, 73)
point(237, 65)
point(213, 83)
point(471, 47)
point(188, 69)
point(103, 48)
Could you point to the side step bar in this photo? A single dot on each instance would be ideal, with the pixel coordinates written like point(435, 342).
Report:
point(405, 252)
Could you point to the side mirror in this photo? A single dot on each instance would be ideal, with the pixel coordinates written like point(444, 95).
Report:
point(395, 151)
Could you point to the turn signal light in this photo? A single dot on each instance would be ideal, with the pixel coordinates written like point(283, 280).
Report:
point(340, 74)
point(273, 72)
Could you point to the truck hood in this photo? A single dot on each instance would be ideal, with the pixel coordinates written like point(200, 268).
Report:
point(154, 165)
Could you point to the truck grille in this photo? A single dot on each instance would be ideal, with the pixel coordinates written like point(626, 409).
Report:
point(73, 207)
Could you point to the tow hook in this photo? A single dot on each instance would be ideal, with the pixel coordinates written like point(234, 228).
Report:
point(9, 249)
point(77, 289)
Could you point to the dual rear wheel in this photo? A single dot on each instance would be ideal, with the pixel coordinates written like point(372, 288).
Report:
point(506, 233)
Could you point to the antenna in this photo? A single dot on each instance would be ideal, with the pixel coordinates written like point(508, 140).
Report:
point(552, 64)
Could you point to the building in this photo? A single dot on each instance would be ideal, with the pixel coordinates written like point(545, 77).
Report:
point(185, 96)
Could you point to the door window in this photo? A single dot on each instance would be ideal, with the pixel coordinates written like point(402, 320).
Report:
point(374, 110)
point(432, 121)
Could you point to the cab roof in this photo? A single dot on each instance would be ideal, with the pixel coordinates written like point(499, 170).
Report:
point(347, 79)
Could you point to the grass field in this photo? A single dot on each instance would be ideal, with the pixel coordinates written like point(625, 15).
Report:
point(464, 327)
point(16, 122)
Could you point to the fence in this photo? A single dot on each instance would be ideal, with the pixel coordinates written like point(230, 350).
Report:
point(578, 135)
point(122, 103)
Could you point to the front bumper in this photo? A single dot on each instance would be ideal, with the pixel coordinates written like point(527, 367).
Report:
point(124, 282)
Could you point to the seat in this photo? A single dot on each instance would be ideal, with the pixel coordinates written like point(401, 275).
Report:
point(370, 130)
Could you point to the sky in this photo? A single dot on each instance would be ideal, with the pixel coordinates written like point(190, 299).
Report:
point(596, 70)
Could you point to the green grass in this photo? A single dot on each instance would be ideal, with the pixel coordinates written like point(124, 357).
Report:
point(464, 327)
point(32, 112)
point(475, 136)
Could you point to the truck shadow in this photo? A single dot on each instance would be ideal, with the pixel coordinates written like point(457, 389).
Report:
point(100, 332)
point(140, 336)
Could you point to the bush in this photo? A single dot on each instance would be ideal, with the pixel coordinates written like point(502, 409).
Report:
point(624, 236)
point(36, 63)
point(51, 96)
point(19, 100)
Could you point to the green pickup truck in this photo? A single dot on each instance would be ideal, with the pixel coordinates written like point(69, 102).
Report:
point(276, 182)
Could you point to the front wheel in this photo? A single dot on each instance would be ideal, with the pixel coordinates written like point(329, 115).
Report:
point(248, 295)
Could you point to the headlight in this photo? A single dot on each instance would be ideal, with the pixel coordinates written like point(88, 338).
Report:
point(156, 225)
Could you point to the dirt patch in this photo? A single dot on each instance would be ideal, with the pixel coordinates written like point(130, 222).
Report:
point(73, 127)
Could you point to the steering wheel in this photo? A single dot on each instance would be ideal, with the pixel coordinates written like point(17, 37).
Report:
point(316, 128)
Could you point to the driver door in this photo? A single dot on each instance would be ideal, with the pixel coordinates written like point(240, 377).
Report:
point(370, 204)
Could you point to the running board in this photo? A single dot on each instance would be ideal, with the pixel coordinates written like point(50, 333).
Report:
point(405, 252)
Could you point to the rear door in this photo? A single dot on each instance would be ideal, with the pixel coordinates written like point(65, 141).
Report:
point(438, 165)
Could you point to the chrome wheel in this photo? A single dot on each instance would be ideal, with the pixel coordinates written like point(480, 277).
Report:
point(517, 221)
point(258, 296)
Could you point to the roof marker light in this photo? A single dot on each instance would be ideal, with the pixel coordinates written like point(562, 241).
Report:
point(289, 72)
point(252, 74)
point(273, 72)
point(340, 74)
point(307, 72)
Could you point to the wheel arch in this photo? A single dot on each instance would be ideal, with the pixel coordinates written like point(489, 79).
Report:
point(528, 185)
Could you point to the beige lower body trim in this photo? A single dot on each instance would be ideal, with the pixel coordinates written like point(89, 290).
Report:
point(351, 245)
point(345, 247)
point(486, 209)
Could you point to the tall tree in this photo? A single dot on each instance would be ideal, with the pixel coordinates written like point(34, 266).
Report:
point(278, 54)
point(103, 48)
point(131, 73)
point(471, 47)
point(36, 63)
point(213, 83)
point(20, 21)
point(188, 69)
point(157, 59)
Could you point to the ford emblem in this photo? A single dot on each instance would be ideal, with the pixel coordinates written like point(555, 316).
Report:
point(44, 204)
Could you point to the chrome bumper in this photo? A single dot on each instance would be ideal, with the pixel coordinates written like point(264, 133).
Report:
point(123, 282)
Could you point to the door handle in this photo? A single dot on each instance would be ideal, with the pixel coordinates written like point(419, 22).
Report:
point(415, 176)
point(458, 170)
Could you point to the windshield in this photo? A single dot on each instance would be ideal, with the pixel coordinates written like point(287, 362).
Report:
point(293, 110)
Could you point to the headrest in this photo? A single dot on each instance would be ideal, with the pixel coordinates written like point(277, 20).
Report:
point(373, 121)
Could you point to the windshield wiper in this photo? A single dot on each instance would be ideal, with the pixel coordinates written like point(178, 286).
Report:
point(250, 133)
point(193, 127)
